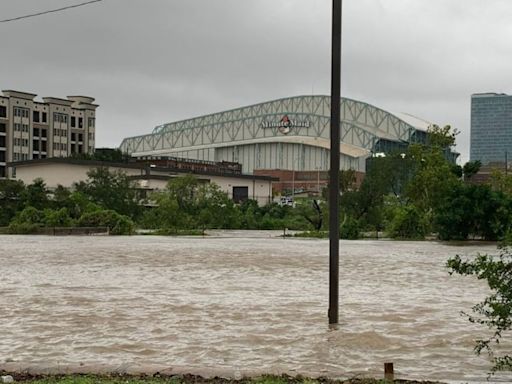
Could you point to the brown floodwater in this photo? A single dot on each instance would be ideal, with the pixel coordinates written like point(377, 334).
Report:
point(240, 301)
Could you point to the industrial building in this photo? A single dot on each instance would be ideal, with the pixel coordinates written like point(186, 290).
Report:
point(148, 176)
point(491, 127)
point(31, 129)
point(286, 134)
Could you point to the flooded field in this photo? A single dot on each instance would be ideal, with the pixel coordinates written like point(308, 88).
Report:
point(239, 301)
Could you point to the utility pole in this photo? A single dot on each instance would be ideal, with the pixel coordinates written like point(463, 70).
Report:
point(334, 186)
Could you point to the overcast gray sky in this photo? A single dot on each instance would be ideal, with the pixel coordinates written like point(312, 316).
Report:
point(148, 62)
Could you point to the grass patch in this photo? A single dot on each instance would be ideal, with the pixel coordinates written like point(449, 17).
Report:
point(191, 379)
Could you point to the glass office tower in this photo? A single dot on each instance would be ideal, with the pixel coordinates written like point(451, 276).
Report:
point(491, 127)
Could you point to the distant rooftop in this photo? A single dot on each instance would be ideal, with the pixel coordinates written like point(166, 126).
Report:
point(489, 94)
point(73, 101)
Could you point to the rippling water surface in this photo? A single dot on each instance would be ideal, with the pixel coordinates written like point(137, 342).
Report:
point(239, 300)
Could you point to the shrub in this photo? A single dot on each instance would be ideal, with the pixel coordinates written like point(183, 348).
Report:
point(117, 224)
point(57, 218)
point(349, 229)
point(23, 228)
point(408, 223)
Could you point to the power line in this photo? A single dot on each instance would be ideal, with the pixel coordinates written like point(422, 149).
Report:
point(50, 11)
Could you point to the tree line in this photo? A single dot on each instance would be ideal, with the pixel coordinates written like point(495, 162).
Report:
point(408, 194)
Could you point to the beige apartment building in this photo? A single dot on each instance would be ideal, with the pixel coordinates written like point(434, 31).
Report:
point(54, 127)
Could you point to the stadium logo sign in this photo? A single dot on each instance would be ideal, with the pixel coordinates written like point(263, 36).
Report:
point(286, 124)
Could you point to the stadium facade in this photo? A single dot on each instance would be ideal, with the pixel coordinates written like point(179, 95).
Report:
point(289, 134)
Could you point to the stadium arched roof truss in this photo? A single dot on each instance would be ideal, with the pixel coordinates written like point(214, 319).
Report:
point(300, 121)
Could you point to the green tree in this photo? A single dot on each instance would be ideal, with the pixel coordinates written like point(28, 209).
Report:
point(27, 221)
point(432, 178)
point(57, 218)
point(189, 204)
point(215, 209)
point(499, 181)
point(349, 228)
point(408, 223)
point(470, 169)
point(474, 210)
point(495, 312)
point(312, 212)
point(111, 190)
point(11, 192)
point(36, 195)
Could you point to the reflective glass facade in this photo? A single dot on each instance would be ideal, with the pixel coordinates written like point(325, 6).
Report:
point(491, 127)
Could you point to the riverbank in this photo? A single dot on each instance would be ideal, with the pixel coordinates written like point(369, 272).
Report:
point(166, 378)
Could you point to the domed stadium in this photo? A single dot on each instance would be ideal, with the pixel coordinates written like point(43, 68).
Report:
point(285, 134)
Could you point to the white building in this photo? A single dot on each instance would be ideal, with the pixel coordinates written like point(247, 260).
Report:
point(66, 172)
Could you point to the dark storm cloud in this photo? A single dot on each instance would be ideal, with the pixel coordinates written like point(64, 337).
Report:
point(149, 62)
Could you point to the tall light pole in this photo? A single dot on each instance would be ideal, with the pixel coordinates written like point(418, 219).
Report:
point(334, 187)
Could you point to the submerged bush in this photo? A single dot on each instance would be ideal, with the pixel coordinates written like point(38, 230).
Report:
point(116, 223)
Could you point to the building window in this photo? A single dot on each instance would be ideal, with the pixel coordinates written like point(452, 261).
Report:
point(92, 122)
point(44, 117)
point(73, 121)
point(2, 171)
point(43, 133)
point(80, 137)
point(73, 135)
point(80, 122)
point(240, 194)
point(36, 132)
point(60, 118)
point(2, 142)
point(43, 146)
point(35, 116)
point(35, 145)
point(21, 112)
point(3, 127)
point(3, 111)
